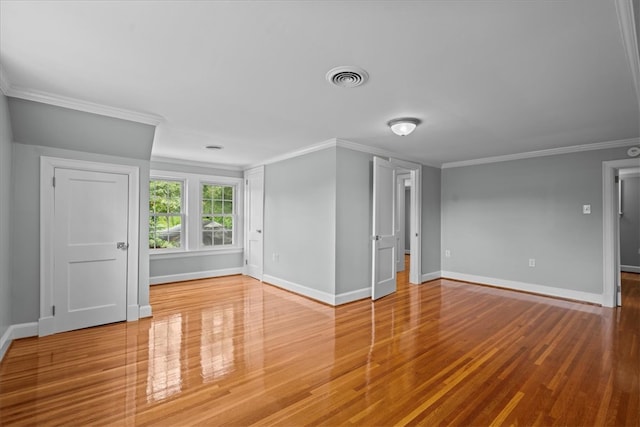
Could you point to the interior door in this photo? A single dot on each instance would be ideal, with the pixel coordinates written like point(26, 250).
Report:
point(254, 220)
point(384, 229)
point(90, 248)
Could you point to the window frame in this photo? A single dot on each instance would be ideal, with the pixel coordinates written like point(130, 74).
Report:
point(192, 199)
point(182, 214)
point(234, 214)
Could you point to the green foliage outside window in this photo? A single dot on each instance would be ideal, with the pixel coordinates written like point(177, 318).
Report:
point(217, 214)
point(165, 214)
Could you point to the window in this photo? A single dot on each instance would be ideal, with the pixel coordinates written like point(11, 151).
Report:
point(217, 214)
point(165, 214)
point(191, 213)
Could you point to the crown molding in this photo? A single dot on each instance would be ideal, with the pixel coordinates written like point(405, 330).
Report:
point(544, 153)
point(624, 9)
point(297, 153)
point(380, 152)
point(76, 104)
point(195, 163)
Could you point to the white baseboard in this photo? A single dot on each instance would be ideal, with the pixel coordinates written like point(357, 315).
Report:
point(156, 280)
point(14, 332)
point(145, 311)
point(526, 287)
point(350, 296)
point(315, 294)
point(630, 269)
point(431, 276)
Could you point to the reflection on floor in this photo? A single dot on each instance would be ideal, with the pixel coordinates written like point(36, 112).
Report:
point(233, 351)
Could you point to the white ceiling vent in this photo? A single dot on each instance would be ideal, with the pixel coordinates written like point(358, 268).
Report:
point(347, 76)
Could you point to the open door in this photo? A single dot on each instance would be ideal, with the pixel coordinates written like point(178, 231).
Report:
point(384, 229)
point(254, 197)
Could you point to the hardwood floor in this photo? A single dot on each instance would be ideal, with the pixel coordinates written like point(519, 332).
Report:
point(233, 351)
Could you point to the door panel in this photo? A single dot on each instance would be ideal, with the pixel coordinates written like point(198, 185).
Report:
point(254, 218)
point(90, 272)
point(384, 236)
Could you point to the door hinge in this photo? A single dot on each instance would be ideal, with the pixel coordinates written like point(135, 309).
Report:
point(617, 179)
point(247, 182)
point(54, 181)
point(53, 310)
point(246, 262)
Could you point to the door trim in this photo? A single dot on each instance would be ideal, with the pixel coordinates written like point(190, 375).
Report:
point(609, 211)
point(415, 269)
point(47, 168)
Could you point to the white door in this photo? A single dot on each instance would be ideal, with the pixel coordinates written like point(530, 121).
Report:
point(254, 179)
point(90, 248)
point(384, 229)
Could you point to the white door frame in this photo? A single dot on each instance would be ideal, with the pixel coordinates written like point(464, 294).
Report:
point(415, 170)
point(610, 261)
point(47, 169)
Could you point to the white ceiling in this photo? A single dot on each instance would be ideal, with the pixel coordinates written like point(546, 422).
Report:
point(487, 78)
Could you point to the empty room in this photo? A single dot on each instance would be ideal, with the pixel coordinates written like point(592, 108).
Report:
point(320, 213)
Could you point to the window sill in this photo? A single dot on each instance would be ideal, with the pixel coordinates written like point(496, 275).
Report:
point(194, 253)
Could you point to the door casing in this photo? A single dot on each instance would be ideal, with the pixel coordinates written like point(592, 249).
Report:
point(47, 169)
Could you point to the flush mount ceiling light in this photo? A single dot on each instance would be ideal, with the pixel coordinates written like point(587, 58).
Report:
point(404, 126)
point(213, 147)
point(347, 76)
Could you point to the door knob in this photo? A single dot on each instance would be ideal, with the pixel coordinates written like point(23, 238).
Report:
point(259, 231)
point(122, 245)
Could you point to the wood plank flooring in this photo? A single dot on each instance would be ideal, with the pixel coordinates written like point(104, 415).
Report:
point(233, 351)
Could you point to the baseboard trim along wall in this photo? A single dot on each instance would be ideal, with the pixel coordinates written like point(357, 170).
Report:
point(14, 332)
point(431, 276)
point(630, 269)
point(157, 280)
point(525, 287)
point(145, 311)
point(317, 295)
point(351, 296)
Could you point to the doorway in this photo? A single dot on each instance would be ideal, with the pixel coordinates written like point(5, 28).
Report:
point(610, 222)
point(385, 248)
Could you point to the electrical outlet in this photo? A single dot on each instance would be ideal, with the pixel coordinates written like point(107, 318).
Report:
point(275, 257)
point(586, 209)
point(447, 253)
point(532, 262)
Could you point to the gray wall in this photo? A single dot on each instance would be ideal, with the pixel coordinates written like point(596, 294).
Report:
point(497, 216)
point(50, 126)
point(45, 130)
point(5, 218)
point(300, 220)
point(159, 266)
point(193, 264)
point(630, 222)
point(431, 223)
point(354, 203)
point(26, 225)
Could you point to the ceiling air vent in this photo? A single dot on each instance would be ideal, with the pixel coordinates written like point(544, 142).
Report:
point(347, 76)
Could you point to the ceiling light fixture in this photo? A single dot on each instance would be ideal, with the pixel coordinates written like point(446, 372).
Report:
point(213, 147)
point(404, 126)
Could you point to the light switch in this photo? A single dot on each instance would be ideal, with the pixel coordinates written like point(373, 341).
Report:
point(586, 209)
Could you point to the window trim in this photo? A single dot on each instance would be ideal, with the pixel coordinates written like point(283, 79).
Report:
point(192, 213)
